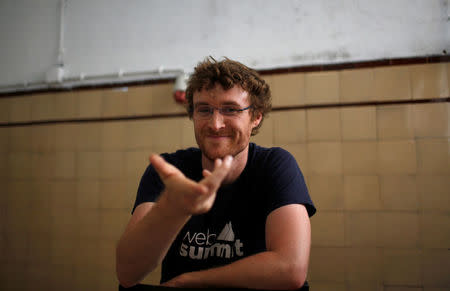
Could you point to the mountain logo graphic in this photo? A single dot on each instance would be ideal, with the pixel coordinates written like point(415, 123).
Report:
point(204, 245)
point(227, 233)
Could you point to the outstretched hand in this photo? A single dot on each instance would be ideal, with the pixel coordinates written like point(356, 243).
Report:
point(186, 195)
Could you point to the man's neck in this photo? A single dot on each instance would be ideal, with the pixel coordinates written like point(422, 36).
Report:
point(237, 166)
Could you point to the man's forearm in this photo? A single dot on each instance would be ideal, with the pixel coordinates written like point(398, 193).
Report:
point(266, 270)
point(142, 248)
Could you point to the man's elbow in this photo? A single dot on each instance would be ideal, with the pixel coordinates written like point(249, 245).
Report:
point(296, 276)
point(124, 280)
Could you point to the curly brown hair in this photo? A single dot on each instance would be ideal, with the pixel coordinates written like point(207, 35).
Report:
point(229, 73)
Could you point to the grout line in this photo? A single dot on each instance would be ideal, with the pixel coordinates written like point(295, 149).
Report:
point(182, 114)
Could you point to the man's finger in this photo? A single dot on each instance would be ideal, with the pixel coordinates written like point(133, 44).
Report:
point(221, 170)
point(163, 168)
point(206, 173)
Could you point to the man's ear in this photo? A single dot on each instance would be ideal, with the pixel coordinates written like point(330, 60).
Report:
point(257, 119)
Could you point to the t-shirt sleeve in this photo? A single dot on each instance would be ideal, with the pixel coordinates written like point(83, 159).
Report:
point(149, 188)
point(285, 182)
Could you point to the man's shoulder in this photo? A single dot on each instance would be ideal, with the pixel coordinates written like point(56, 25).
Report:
point(263, 153)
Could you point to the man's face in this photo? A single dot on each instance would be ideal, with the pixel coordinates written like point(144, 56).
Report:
point(219, 135)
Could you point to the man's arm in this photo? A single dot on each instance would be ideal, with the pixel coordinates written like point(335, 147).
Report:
point(154, 226)
point(283, 266)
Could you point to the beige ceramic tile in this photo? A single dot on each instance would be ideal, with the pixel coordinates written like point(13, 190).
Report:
point(17, 248)
point(356, 85)
point(139, 100)
point(113, 223)
point(136, 163)
point(84, 277)
point(289, 127)
point(66, 105)
point(89, 225)
point(288, 89)
point(436, 264)
point(19, 165)
point(328, 229)
point(114, 136)
point(64, 136)
point(361, 192)
point(64, 223)
point(322, 87)
point(89, 136)
point(88, 165)
point(359, 157)
point(5, 139)
point(326, 191)
point(167, 132)
point(113, 194)
point(43, 165)
point(5, 104)
point(88, 194)
point(40, 250)
point(365, 285)
point(21, 138)
point(395, 122)
point(402, 267)
point(431, 120)
point(360, 229)
point(65, 165)
point(63, 251)
point(112, 165)
point(43, 106)
point(41, 198)
point(364, 265)
point(4, 168)
point(20, 109)
point(429, 81)
point(114, 102)
point(163, 101)
point(265, 134)
point(398, 229)
point(399, 192)
point(140, 134)
point(325, 158)
point(358, 123)
point(328, 285)
point(327, 265)
point(107, 257)
point(43, 138)
point(63, 194)
point(17, 196)
point(39, 222)
point(323, 124)
point(187, 133)
point(433, 156)
point(90, 103)
point(433, 192)
point(397, 157)
point(434, 230)
point(392, 83)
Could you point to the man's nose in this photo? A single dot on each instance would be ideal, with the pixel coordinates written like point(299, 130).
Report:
point(216, 120)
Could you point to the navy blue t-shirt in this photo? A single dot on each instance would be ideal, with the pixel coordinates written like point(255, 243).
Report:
point(235, 226)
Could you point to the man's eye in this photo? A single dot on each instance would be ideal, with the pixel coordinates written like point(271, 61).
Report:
point(203, 109)
point(229, 110)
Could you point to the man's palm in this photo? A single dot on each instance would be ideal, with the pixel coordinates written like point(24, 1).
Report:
point(187, 195)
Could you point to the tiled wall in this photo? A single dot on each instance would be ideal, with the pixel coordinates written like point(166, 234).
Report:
point(379, 175)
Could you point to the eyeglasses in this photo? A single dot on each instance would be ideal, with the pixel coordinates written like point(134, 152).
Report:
point(206, 111)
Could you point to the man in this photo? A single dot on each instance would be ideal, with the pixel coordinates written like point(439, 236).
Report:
point(229, 214)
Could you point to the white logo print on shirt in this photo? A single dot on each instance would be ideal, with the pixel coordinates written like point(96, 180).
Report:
point(200, 246)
